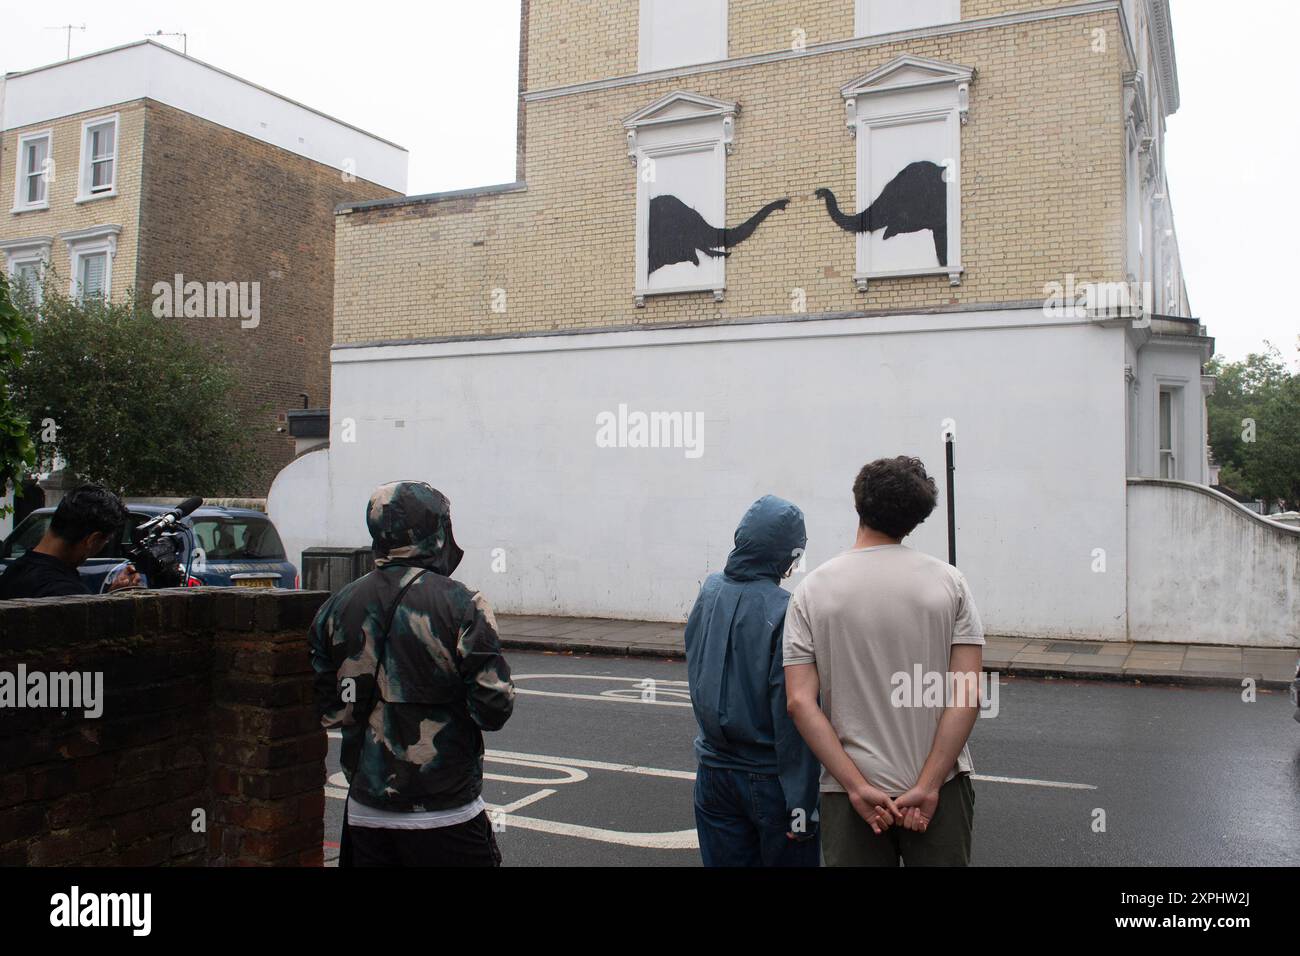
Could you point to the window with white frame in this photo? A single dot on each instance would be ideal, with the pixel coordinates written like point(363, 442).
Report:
point(888, 16)
point(33, 174)
point(679, 146)
point(90, 253)
point(906, 117)
point(98, 158)
point(682, 32)
point(25, 262)
point(1167, 432)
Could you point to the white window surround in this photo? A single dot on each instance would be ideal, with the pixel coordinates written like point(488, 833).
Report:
point(909, 89)
point(29, 251)
point(20, 173)
point(674, 125)
point(654, 47)
point(85, 170)
point(873, 17)
point(1176, 388)
point(88, 242)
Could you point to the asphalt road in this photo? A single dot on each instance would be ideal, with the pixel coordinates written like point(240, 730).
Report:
point(588, 773)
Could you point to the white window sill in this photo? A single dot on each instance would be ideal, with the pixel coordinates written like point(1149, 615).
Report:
point(954, 274)
point(38, 207)
point(641, 295)
point(93, 196)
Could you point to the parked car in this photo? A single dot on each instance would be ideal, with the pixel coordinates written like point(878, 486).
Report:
point(232, 547)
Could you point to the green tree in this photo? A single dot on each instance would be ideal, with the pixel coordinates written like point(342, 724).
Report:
point(1271, 463)
point(130, 401)
point(16, 450)
point(1254, 426)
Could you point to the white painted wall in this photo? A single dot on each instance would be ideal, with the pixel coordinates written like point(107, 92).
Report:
point(1205, 570)
point(298, 503)
point(507, 430)
point(161, 73)
point(1169, 364)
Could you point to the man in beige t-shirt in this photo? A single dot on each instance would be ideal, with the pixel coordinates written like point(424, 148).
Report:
point(891, 640)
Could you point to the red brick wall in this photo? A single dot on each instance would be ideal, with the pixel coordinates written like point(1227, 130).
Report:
point(207, 704)
point(220, 206)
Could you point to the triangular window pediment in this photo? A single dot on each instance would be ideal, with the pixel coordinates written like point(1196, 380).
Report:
point(907, 72)
point(680, 106)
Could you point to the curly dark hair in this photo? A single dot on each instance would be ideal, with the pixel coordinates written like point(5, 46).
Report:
point(88, 509)
point(894, 495)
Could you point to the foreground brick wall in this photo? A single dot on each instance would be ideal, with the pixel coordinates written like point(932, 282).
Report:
point(1042, 173)
point(206, 705)
point(268, 217)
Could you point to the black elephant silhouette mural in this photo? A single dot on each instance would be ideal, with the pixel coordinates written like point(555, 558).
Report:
point(678, 233)
point(915, 199)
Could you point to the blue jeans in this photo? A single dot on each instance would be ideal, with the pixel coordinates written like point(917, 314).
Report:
point(741, 821)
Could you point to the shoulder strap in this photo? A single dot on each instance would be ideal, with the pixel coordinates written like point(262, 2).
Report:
point(381, 643)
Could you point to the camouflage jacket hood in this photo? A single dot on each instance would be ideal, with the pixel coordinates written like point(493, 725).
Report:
point(410, 523)
point(437, 678)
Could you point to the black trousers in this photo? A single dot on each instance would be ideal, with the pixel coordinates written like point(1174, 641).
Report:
point(471, 843)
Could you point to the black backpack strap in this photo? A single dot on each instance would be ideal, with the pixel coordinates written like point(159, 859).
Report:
point(381, 644)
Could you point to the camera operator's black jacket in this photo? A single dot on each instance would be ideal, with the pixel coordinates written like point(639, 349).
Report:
point(40, 575)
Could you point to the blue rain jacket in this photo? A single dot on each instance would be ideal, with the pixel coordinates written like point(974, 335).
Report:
point(733, 658)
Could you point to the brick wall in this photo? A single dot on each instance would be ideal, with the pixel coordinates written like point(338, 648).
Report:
point(580, 41)
point(207, 704)
point(65, 213)
point(1042, 167)
point(224, 207)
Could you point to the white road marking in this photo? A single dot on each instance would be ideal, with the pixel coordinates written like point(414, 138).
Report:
point(508, 757)
point(672, 840)
point(1028, 782)
point(521, 802)
point(669, 687)
point(573, 775)
point(615, 700)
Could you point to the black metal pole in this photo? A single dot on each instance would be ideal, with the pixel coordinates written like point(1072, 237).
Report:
point(950, 442)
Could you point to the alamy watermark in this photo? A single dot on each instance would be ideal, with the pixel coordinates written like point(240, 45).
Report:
point(75, 908)
point(57, 690)
point(624, 429)
point(1092, 300)
point(208, 300)
point(937, 689)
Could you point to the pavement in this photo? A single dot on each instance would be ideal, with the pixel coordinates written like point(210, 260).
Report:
point(1206, 664)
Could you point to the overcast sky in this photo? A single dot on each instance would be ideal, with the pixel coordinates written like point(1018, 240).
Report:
point(439, 77)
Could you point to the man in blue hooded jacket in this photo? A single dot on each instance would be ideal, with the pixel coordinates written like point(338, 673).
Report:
point(756, 787)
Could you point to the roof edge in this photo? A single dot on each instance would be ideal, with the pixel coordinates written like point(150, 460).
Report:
point(216, 69)
point(344, 208)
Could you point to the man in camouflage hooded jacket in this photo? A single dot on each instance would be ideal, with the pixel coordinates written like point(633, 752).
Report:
point(412, 700)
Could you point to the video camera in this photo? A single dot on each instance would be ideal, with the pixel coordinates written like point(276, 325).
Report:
point(159, 544)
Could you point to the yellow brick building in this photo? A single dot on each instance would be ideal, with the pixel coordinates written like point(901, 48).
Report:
point(1042, 159)
point(816, 232)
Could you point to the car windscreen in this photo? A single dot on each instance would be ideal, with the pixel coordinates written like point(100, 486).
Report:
point(28, 534)
point(237, 539)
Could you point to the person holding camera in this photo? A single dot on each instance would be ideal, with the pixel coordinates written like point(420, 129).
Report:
point(86, 520)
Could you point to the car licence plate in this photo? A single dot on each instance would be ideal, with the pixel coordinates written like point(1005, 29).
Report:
point(254, 582)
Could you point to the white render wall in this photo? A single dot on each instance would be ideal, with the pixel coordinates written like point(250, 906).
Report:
point(297, 503)
point(1170, 365)
point(507, 428)
point(1205, 570)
